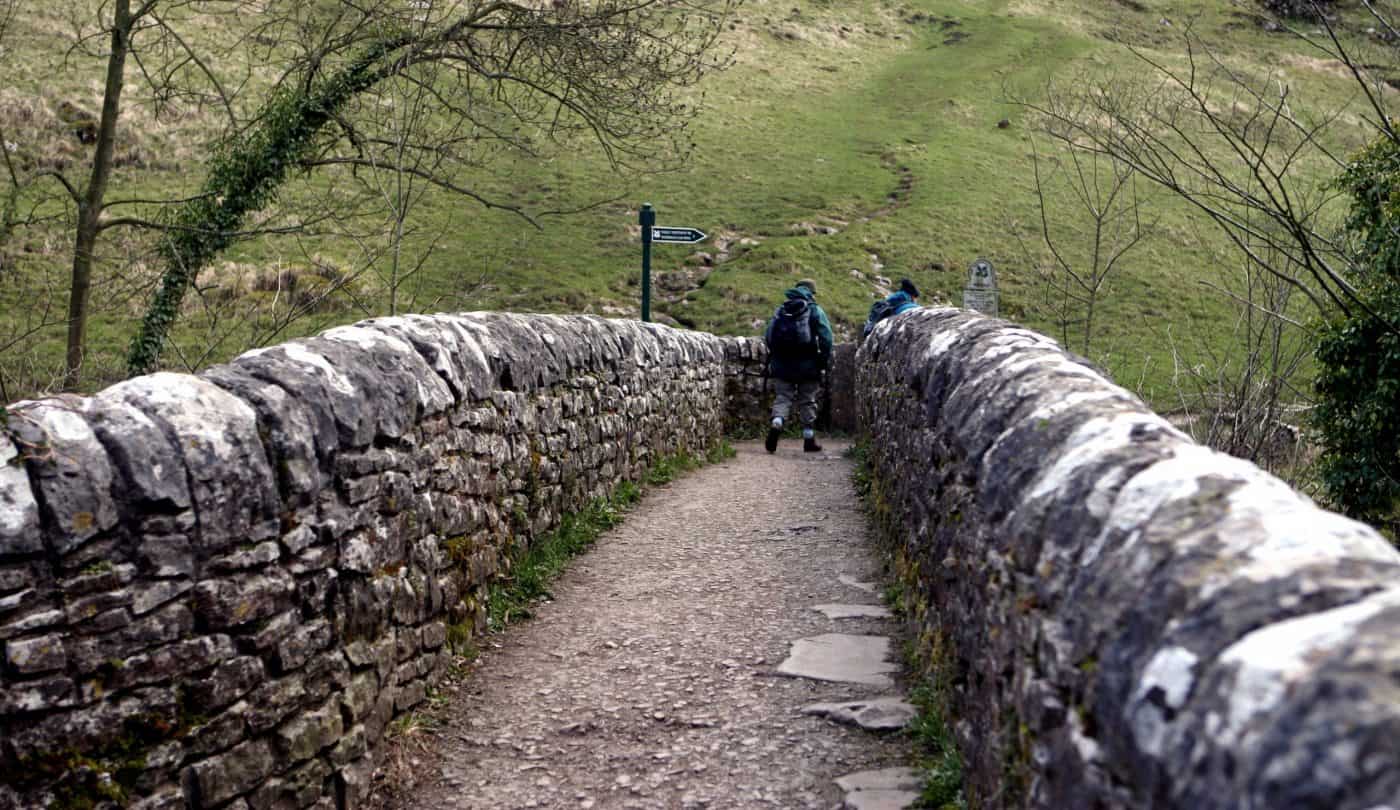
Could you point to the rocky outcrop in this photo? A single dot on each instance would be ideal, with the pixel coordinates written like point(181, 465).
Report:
point(1124, 619)
point(218, 590)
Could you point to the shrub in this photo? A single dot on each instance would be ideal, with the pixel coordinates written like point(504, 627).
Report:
point(1358, 383)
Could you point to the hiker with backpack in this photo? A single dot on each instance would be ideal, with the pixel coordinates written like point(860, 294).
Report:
point(902, 300)
point(799, 350)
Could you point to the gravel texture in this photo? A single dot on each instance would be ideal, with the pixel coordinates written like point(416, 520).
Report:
point(650, 679)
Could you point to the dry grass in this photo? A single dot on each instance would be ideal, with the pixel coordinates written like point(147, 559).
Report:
point(54, 61)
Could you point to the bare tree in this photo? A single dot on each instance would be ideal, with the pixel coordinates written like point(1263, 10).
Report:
point(407, 121)
point(1083, 258)
point(1244, 396)
point(1232, 146)
point(151, 67)
point(1244, 152)
point(497, 77)
point(520, 79)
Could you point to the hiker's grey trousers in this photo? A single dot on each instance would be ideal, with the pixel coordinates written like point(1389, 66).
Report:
point(805, 394)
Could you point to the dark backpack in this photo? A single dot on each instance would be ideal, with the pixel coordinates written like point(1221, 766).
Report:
point(791, 332)
point(879, 311)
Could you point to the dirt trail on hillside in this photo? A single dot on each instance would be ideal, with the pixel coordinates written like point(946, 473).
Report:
point(650, 680)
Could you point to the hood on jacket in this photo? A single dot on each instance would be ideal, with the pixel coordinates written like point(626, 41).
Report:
point(801, 292)
point(900, 298)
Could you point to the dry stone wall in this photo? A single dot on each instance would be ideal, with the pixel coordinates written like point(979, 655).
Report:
point(218, 590)
point(749, 391)
point(1123, 618)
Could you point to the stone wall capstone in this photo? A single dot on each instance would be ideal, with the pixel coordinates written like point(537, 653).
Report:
point(217, 590)
point(1123, 618)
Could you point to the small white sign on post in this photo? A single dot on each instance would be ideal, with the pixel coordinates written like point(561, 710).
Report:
point(981, 292)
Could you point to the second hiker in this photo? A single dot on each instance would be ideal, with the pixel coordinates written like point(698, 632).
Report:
point(902, 300)
point(799, 350)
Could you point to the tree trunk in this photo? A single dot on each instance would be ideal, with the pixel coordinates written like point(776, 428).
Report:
point(90, 205)
point(241, 180)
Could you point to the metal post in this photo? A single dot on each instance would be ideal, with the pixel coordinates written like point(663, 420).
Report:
point(648, 219)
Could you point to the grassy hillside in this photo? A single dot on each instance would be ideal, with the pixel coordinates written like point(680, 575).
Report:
point(852, 142)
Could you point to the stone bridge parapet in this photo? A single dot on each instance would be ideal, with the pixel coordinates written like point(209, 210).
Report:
point(218, 590)
point(1124, 619)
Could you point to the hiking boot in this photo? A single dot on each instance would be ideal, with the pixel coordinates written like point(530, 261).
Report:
point(810, 445)
point(771, 442)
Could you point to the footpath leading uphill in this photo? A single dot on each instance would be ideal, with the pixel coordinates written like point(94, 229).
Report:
point(682, 661)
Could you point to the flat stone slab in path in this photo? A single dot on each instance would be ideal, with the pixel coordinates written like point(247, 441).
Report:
point(880, 714)
point(885, 789)
point(841, 657)
point(853, 611)
point(647, 682)
point(847, 579)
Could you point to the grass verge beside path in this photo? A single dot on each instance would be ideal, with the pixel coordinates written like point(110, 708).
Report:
point(511, 599)
point(936, 748)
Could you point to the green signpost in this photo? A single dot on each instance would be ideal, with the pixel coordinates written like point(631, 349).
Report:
point(648, 222)
point(665, 236)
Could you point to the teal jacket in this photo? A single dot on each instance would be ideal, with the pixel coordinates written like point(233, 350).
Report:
point(807, 367)
point(901, 302)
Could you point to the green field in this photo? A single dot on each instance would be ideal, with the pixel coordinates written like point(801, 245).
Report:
point(849, 141)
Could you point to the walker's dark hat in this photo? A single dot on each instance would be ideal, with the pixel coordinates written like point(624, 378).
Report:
point(809, 284)
point(907, 286)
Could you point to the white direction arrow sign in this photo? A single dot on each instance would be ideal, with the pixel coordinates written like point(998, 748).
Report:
point(677, 236)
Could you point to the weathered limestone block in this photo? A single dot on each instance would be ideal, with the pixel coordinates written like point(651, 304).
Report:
point(19, 512)
point(168, 797)
point(166, 555)
point(330, 399)
point(300, 788)
point(223, 777)
point(73, 473)
point(151, 471)
point(274, 702)
point(46, 694)
point(447, 349)
point(407, 389)
point(238, 600)
point(108, 577)
point(511, 348)
point(325, 675)
point(410, 695)
point(359, 697)
point(151, 712)
point(225, 684)
point(35, 656)
point(219, 734)
point(289, 427)
point(353, 783)
point(303, 643)
point(353, 744)
point(163, 626)
point(309, 733)
point(233, 486)
point(168, 664)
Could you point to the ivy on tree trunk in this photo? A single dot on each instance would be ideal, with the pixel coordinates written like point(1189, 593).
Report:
point(244, 176)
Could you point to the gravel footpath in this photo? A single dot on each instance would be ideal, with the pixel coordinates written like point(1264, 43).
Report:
point(650, 680)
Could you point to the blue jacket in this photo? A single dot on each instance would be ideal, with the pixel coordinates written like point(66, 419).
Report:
point(902, 302)
point(809, 367)
point(892, 305)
